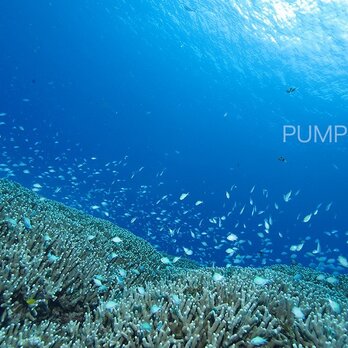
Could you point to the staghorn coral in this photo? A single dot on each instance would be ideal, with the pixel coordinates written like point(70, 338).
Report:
point(61, 288)
point(54, 261)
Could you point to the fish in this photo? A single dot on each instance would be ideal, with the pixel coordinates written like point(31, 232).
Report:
point(188, 251)
point(27, 223)
point(97, 282)
point(343, 261)
point(52, 258)
point(217, 277)
point(165, 260)
point(297, 247)
point(232, 237)
point(317, 250)
point(116, 240)
point(31, 301)
point(258, 341)
point(110, 305)
point(171, 232)
point(297, 311)
point(332, 280)
point(242, 210)
point(291, 90)
point(328, 207)
point(175, 298)
point(307, 218)
point(287, 196)
point(188, 8)
point(154, 309)
point(145, 326)
point(320, 277)
point(141, 290)
point(335, 306)
point(183, 196)
point(261, 281)
point(11, 222)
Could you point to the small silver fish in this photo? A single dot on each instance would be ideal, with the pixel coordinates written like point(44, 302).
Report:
point(27, 223)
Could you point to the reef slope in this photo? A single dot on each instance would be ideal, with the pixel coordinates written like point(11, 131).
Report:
point(71, 280)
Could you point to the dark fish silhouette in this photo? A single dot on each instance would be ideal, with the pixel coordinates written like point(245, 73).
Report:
point(188, 8)
point(291, 90)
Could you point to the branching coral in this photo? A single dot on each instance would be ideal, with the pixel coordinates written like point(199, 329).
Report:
point(70, 280)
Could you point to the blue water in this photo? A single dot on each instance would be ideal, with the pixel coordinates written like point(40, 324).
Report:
point(111, 105)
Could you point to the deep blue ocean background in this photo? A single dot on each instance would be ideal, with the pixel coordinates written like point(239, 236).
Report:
point(109, 106)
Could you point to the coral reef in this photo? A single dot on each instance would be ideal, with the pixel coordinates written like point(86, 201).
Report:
point(71, 280)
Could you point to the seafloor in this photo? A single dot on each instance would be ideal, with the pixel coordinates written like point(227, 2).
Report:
point(71, 280)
